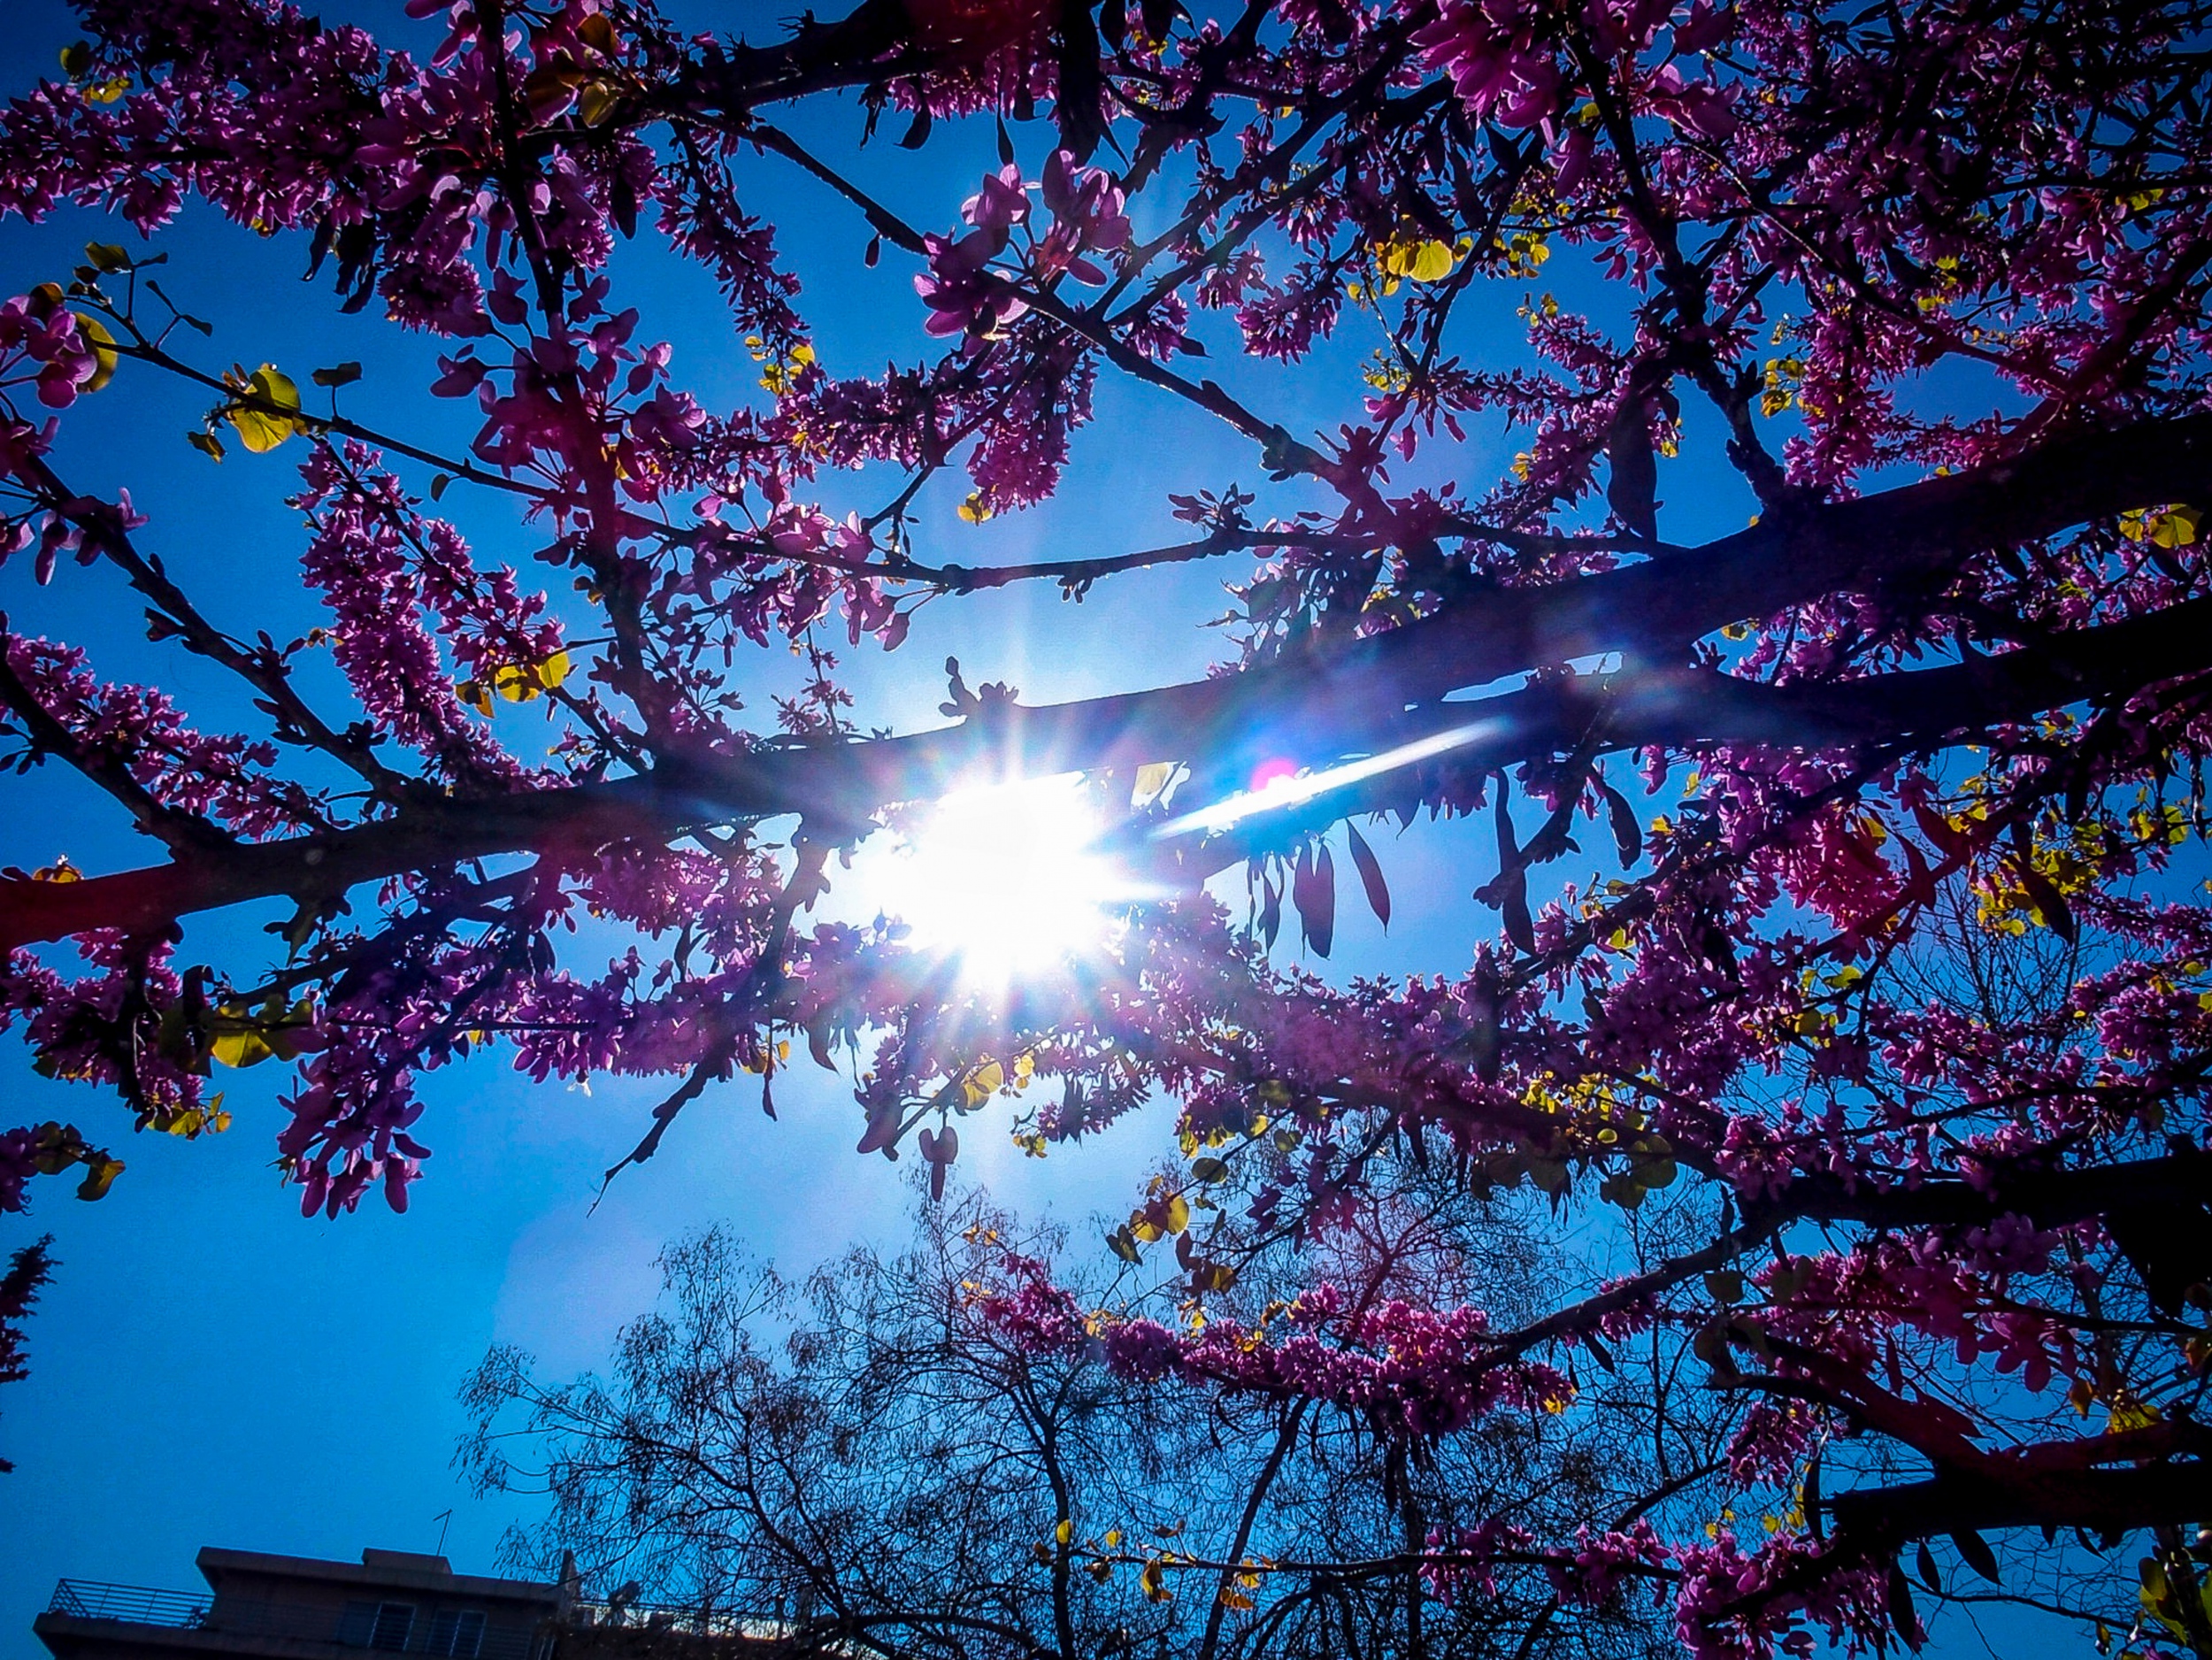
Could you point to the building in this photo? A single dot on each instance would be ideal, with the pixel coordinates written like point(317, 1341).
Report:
point(261, 1607)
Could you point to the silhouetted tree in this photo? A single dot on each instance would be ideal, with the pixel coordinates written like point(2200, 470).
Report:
point(29, 1270)
point(870, 1457)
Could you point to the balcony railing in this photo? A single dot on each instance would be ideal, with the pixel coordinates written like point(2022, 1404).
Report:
point(140, 1604)
point(685, 1619)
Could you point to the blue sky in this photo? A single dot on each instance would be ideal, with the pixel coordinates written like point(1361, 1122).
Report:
point(210, 1369)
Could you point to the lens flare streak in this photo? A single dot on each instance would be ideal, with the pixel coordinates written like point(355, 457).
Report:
point(1283, 791)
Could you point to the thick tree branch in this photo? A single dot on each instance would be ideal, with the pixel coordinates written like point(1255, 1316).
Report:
point(2098, 1501)
point(1355, 699)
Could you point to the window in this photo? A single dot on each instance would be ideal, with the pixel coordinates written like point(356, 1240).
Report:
point(356, 1624)
point(458, 1632)
point(394, 1621)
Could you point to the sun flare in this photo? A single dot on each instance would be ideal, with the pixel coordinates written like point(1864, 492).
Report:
point(1007, 879)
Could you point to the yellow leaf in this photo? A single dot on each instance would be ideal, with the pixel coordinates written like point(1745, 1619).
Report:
point(1152, 779)
point(103, 345)
point(2127, 1414)
point(100, 1172)
point(265, 425)
point(2176, 528)
point(1064, 1532)
point(1418, 260)
point(241, 1046)
point(1433, 262)
point(1177, 1214)
point(519, 682)
point(989, 1076)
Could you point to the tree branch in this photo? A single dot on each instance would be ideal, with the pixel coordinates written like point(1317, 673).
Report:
point(1354, 700)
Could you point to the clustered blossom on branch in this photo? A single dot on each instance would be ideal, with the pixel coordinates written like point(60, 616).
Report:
point(966, 297)
point(1425, 1368)
point(35, 330)
point(1848, 985)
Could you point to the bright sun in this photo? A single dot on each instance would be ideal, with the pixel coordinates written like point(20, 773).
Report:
point(1005, 879)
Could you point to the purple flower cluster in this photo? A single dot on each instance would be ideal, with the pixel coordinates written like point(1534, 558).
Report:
point(230, 780)
point(1431, 1371)
point(1600, 1560)
point(1467, 1561)
point(966, 297)
point(382, 568)
point(47, 345)
point(1734, 1607)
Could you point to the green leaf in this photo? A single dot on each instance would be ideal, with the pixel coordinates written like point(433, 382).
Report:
point(595, 101)
point(107, 256)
